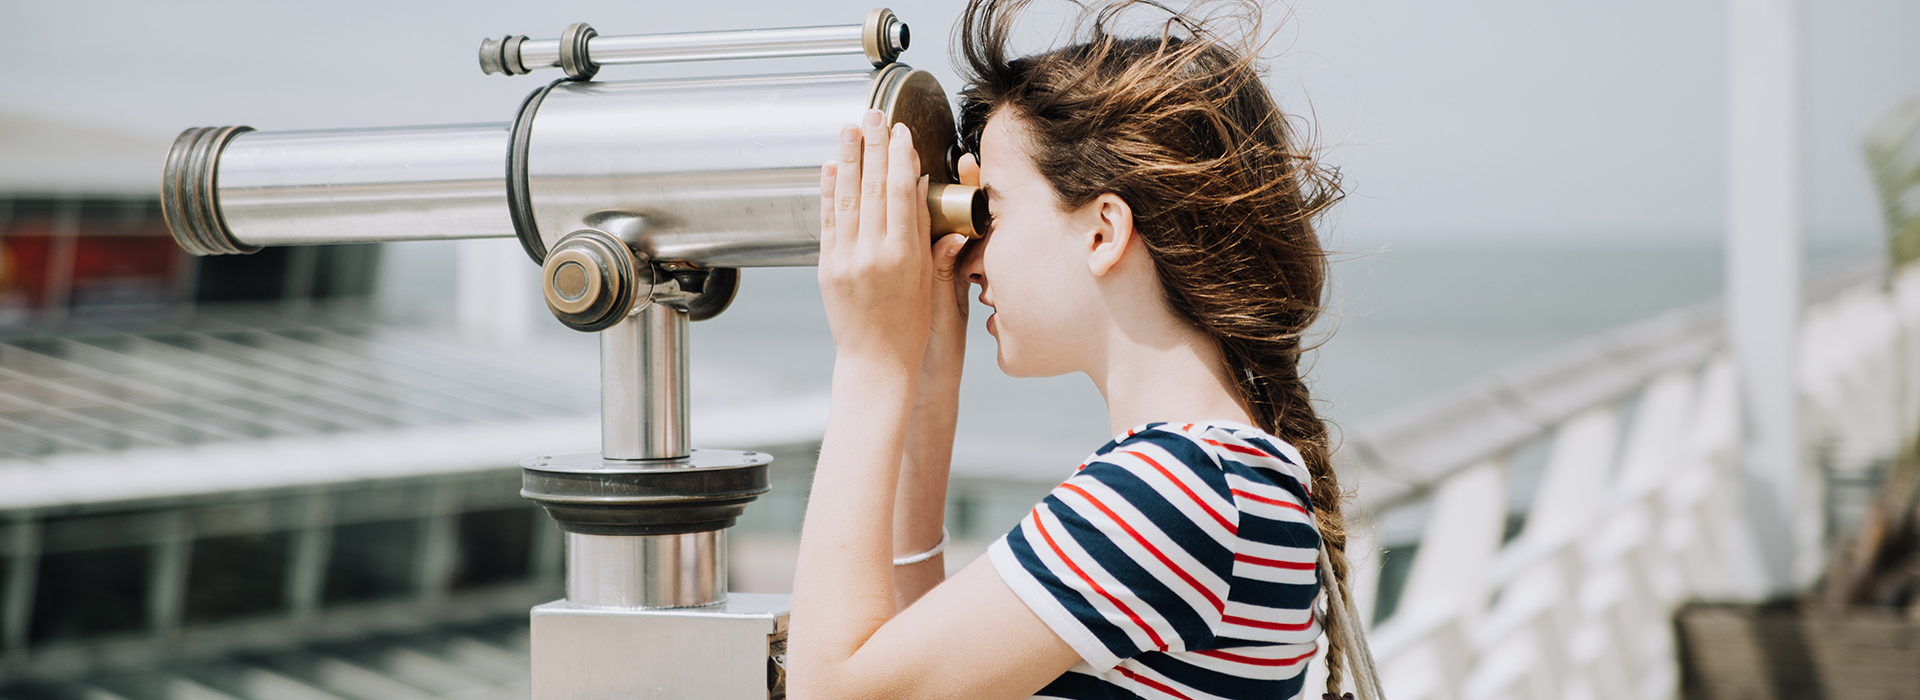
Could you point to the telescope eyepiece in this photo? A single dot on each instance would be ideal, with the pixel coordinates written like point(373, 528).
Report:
point(502, 56)
point(957, 209)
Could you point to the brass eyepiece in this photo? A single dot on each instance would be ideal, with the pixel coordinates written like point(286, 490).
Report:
point(957, 209)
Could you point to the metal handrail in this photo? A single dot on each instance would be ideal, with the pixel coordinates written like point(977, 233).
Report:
point(1402, 456)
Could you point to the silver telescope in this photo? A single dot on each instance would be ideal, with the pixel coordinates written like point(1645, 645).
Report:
point(639, 200)
point(690, 174)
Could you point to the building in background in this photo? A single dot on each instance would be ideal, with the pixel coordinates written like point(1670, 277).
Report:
point(218, 480)
point(81, 236)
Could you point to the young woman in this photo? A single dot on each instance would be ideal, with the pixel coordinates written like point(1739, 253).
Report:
point(1152, 229)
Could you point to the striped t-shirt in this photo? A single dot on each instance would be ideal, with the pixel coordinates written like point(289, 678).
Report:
point(1179, 562)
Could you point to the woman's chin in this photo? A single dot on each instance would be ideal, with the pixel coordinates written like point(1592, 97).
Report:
point(1009, 365)
point(1012, 366)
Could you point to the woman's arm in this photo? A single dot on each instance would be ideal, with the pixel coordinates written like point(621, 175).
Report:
point(920, 503)
point(876, 275)
point(876, 282)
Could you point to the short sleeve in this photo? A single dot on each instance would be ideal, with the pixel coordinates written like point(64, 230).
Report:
point(1133, 554)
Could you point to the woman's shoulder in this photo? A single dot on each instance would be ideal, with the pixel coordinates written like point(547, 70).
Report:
point(1237, 461)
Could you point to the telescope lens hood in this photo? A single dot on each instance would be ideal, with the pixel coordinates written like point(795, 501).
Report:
point(190, 194)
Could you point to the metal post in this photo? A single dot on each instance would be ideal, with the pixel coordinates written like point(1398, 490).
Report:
point(643, 386)
point(1763, 276)
point(312, 545)
point(167, 585)
point(439, 544)
point(647, 571)
point(643, 416)
point(17, 592)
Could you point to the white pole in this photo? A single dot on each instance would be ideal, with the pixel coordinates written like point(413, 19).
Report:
point(1763, 270)
point(494, 291)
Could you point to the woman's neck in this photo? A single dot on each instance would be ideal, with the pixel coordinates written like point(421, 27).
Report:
point(1171, 374)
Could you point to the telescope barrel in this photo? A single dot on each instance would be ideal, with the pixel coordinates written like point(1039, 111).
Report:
point(580, 51)
point(235, 190)
point(694, 173)
point(721, 172)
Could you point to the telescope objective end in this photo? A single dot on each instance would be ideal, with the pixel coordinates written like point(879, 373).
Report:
point(190, 196)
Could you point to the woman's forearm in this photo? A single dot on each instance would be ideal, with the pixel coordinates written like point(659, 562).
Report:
point(920, 501)
point(843, 584)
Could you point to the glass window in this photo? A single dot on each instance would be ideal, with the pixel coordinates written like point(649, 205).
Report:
point(496, 546)
point(371, 561)
point(89, 593)
point(237, 576)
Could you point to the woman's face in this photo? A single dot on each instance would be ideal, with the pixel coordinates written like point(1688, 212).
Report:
point(1027, 266)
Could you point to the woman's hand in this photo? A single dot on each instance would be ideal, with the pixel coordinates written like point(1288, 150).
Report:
point(947, 344)
point(876, 275)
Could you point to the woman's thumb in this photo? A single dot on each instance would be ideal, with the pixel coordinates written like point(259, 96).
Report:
point(946, 255)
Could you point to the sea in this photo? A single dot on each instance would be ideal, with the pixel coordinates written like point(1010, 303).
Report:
point(1404, 324)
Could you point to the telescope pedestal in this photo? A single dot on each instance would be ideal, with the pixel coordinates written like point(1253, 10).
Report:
point(647, 613)
point(732, 651)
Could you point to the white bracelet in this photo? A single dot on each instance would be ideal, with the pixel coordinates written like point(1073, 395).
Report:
point(923, 556)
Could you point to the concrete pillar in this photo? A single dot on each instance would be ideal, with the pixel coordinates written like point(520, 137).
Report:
point(1763, 268)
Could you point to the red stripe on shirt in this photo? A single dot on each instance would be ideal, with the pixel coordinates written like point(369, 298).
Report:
point(1269, 501)
point(1039, 523)
point(1242, 449)
point(1151, 683)
point(1275, 563)
point(1184, 576)
point(1218, 654)
point(1262, 624)
point(1231, 528)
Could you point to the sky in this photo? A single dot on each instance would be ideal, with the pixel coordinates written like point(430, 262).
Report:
point(1508, 121)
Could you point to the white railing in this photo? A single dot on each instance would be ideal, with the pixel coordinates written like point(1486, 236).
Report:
point(1637, 507)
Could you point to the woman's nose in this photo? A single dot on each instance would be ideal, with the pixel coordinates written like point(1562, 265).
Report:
point(970, 268)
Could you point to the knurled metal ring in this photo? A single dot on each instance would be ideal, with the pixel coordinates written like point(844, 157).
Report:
point(502, 56)
point(573, 52)
point(883, 36)
point(590, 280)
point(190, 193)
point(708, 490)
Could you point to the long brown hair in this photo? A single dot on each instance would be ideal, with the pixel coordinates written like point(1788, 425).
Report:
point(1179, 124)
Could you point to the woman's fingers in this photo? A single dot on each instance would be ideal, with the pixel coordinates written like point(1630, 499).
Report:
point(827, 174)
point(846, 188)
point(903, 187)
point(921, 210)
point(873, 175)
point(969, 168)
point(946, 257)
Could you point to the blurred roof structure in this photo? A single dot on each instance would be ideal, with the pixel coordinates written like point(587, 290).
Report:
point(180, 408)
point(41, 157)
point(483, 661)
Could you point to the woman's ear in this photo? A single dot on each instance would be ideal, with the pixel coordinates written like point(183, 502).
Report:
point(1112, 232)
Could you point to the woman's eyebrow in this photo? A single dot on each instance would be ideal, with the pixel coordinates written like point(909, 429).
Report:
point(991, 192)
